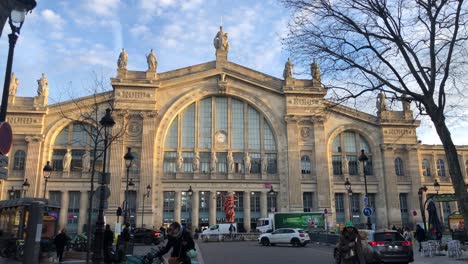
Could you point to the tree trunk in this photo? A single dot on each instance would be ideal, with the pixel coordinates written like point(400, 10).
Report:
point(454, 167)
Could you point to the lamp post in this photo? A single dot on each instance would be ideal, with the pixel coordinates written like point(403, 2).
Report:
point(131, 187)
point(12, 193)
point(190, 193)
point(25, 187)
point(363, 158)
point(272, 195)
point(16, 20)
point(47, 171)
point(107, 122)
point(147, 194)
point(128, 163)
point(436, 186)
point(421, 207)
point(347, 185)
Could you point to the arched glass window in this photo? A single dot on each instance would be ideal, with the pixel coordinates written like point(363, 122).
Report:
point(19, 160)
point(426, 168)
point(305, 164)
point(399, 167)
point(440, 168)
point(220, 134)
point(346, 148)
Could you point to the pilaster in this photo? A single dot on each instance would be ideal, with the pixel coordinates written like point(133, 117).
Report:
point(263, 204)
point(390, 188)
point(63, 210)
point(212, 203)
point(31, 170)
point(290, 190)
point(195, 208)
point(82, 214)
point(177, 205)
point(247, 211)
point(347, 206)
point(321, 164)
point(116, 162)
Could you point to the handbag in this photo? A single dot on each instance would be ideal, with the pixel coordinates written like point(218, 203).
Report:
point(173, 260)
point(349, 255)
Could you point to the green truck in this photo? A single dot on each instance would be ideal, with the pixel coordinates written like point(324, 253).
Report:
point(291, 220)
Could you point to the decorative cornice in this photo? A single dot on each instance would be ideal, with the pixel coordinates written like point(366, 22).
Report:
point(34, 138)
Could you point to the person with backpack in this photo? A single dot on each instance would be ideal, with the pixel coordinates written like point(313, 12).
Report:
point(181, 243)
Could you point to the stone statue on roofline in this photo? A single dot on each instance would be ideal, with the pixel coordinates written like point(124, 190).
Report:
point(220, 41)
point(122, 61)
point(43, 86)
point(152, 61)
point(288, 69)
point(381, 102)
point(315, 72)
point(14, 83)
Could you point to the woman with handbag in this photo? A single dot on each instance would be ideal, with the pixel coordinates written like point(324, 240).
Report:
point(182, 244)
point(350, 245)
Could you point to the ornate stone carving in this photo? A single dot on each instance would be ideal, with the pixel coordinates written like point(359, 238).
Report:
point(196, 162)
point(35, 138)
point(134, 129)
point(305, 132)
point(222, 83)
point(247, 162)
point(67, 161)
point(14, 82)
point(213, 162)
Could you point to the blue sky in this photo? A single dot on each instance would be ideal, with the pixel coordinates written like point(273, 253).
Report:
point(72, 40)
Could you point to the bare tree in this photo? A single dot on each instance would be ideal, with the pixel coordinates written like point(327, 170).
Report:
point(409, 49)
point(87, 113)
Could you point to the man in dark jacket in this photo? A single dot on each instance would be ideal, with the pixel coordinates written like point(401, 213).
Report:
point(107, 243)
point(60, 241)
point(420, 236)
point(180, 241)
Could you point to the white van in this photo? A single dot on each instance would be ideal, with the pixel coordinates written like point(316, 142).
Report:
point(221, 229)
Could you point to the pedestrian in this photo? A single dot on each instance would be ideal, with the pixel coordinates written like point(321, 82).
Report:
point(60, 241)
point(162, 230)
point(350, 245)
point(125, 237)
point(107, 244)
point(420, 235)
point(232, 229)
point(407, 234)
point(394, 227)
point(181, 242)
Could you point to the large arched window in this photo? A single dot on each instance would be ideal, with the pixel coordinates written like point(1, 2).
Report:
point(19, 160)
point(399, 167)
point(346, 148)
point(220, 134)
point(305, 164)
point(426, 168)
point(76, 137)
point(440, 168)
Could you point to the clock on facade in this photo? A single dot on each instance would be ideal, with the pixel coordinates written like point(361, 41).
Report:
point(221, 137)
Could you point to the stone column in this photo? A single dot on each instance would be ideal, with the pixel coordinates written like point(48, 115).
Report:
point(347, 206)
point(263, 204)
point(291, 192)
point(83, 208)
point(247, 211)
point(32, 165)
point(195, 208)
point(321, 163)
point(177, 205)
point(390, 188)
point(413, 168)
point(116, 163)
point(63, 210)
point(212, 203)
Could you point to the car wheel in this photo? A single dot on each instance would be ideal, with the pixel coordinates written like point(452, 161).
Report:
point(272, 244)
point(265, 241)
point(336, 256)
point(303, 245)
point(147, 241)
point(295, 242)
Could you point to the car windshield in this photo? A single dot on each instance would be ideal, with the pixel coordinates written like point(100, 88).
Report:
point(388, 236)
point(300, 231)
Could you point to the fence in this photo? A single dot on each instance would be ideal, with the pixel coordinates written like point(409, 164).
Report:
point(323, 237)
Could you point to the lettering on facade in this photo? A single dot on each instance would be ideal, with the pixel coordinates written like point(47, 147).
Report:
point(22, 120)
point(134, 94)
point(303, 101)
point(398, 131)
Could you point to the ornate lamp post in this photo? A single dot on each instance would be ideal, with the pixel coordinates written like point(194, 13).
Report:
point(128, 163)
point(363, 158)
point(190, 193)
point(47, 171)
point(16, 20)
point(436, 186)
point(347, 185)
point(147, 194)
point(421, 207)
point(25, 187)
point(131, 187)
point(12, 193)
point(107, 122)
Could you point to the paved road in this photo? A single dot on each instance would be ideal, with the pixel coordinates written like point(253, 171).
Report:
point(250, 252)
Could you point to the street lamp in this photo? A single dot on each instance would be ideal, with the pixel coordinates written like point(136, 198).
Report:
point(347, 185)
point(12, 193)
point(128, 163)
point(107, 122)
point(436, 186)
point(47, 171)
point(190, 193)
point(147, 194)
point(271, 192)
point(25, 187)
point(363, 158)
point(16, 20)
point(421, 207)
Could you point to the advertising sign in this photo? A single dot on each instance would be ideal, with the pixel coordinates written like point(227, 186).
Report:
point(299, 220)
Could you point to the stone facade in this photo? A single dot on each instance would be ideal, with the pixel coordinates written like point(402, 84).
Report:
point(314, 146)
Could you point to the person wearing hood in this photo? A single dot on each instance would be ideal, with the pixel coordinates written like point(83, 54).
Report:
point(350, 245)
point(181, 242)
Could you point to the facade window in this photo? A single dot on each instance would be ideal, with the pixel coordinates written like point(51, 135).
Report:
point(246, 128)
point(169, 202)
point(371, 197)
point(356, 208)
point(399, 167)
point(405, 217)
point(447, 211)
point(255, 202)
point(56, 197)
point(77, 161)
point(57, 159)
point(204, 202)
point(339, 208)
point(73, 212)
point(19, 160)
point(349, 144)
point(440, 168)
point(271, 203)
point(305, 164)
point(426, 168)
point(239, 202)
point(307, 200)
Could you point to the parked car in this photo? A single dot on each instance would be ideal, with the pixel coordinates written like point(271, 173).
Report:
point(146, 236)
point(295, 236)
point(383, 246)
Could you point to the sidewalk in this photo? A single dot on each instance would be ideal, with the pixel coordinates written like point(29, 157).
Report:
point(439, 259)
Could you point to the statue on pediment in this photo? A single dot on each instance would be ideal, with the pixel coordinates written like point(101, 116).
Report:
point(220, 41)
point(152, 61)
point(288, 69)
point(381, 102)
point(196, 161)
point(67, 158)
point(122, 61)
point(214, 161)
point(43, 86)
point(247, 162)
point(315, 71)
point(406, 101)
point(14, 82)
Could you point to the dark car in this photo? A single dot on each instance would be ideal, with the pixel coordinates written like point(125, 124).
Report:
point(384, 246)
point(146, 236)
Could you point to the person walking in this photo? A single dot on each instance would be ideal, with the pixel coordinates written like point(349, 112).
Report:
point(420, 235)
point(107, 244)
point(181, 242)
point(60, 241)
point(350, 245)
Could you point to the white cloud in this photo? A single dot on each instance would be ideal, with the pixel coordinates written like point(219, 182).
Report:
point(140, 31)
point(52, 18)
point(103, 7)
